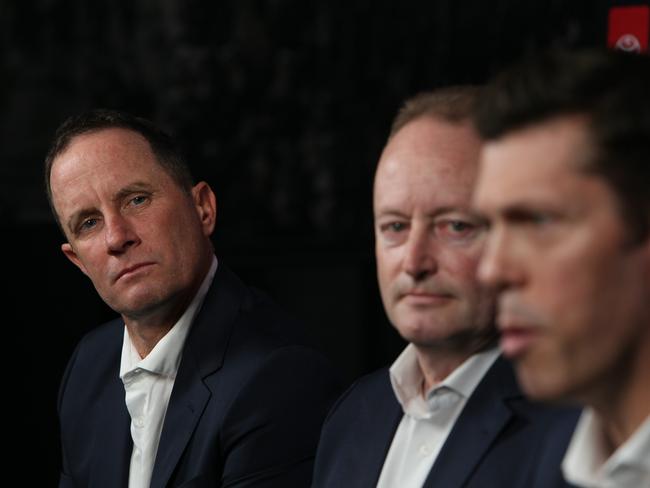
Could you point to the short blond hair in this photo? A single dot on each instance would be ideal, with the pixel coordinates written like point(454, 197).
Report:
point(453, 104)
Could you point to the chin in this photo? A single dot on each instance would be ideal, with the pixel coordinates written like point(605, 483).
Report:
point(424, 334)
point(140, 306)
point(540, 384)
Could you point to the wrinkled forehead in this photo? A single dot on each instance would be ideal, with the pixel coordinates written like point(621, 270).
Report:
point(108, 139)
point(428, 152)
point(106, 161)
point(105, 147)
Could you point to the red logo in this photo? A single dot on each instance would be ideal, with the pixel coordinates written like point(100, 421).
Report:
point(628, 28)
point(629, 43)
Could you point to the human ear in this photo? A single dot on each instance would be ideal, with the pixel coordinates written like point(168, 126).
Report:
point(205, 203)
point(72, 256)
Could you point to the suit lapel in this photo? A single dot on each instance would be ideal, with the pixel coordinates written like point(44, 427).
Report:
point(203, 354)
point(189, 398)
point(484, 416)
point(113, 435)
point(383, 417)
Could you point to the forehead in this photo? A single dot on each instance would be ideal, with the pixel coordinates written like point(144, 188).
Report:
point(115, 151)
point(100, 164)
point(428, 160)
point(106, 144)
point(537, 161)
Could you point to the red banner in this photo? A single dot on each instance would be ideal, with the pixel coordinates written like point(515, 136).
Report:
point(628, 28)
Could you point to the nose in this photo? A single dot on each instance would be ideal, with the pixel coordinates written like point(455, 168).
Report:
point(496, 268)
point(419, 254)
point(119, 234)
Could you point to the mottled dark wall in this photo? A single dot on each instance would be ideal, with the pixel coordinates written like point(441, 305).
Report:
point(282, 105)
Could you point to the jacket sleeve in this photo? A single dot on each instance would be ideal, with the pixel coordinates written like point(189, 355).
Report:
point(65, 480)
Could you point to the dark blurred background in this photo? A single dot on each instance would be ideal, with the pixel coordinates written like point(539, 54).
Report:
point(281, 105)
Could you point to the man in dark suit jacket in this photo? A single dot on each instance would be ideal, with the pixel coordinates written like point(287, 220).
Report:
point(448, 413)
point(202, 382)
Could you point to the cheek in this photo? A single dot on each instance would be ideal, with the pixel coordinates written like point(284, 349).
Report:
point(168, 229)
point(387, 262)
point(584, 297)
point(91, 261)
point(388, 271)
point(460, 267)
point(383, 278)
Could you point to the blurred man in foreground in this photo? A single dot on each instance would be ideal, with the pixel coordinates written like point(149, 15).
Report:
point(565, 186)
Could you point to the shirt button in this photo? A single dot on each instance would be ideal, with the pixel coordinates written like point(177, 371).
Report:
point(424, 450)
point(138, 421)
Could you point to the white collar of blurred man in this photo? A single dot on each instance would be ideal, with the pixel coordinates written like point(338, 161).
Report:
point(428, 244)
point(587, 463)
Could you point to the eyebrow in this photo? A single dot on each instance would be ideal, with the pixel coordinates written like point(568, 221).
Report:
point(519, 210)
point(135, 187)
point(76, 217)
point(387, 211)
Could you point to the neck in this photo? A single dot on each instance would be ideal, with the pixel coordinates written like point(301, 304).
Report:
point(436, 368)
point(621, 419)
point(437, 362)
point(145, 339)
point(625, 403)
point(147, 328)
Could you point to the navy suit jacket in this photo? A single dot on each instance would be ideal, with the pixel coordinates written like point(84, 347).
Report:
point(246, 409)
point(500, 440)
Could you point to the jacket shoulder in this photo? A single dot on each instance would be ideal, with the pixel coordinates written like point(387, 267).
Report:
point(357, 433)
point(369, 390)
point(97, 352)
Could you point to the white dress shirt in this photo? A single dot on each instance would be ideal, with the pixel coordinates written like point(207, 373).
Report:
point(148, 385)
point(586, 463)
point(426, 422)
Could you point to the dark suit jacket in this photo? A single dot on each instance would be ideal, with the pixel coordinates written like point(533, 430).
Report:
point(500, 440)
point(246, 408)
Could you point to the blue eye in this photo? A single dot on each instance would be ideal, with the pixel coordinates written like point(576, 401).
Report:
point(458, 226)
point(88, 224)
point(392, 227)
point(139, 200)
point(393, 232)
point(456, 230)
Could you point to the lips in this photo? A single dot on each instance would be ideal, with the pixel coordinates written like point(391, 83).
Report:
point(516, 341)
point(131, 270)
point(520, 326)
point(421, 297)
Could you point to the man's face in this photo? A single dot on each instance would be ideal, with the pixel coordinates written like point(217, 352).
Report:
point(427, 241)
point(131, 229)
point(573, 299)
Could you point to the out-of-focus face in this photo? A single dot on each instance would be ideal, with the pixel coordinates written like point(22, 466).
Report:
point(427, 240)
point(141, 239)
point(573, 302)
